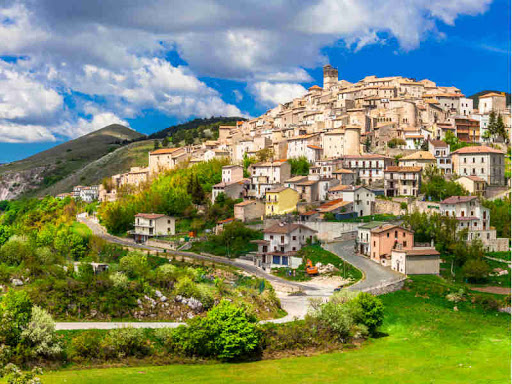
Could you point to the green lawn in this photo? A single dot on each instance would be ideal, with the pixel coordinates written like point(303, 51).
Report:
point(427, 342)
point(316, 254)
point(499, 255)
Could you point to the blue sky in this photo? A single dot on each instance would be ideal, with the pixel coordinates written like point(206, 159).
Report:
point(66, 70)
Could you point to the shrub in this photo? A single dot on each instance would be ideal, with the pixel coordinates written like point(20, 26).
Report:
point(336, 315)
point(86, 345)
point(369, 311)
point(475, 270)
point(124, 342)
point(227, 332)
point(186, 287)
point(119, 280)
point(40, 334)
point(135, 264)
point(15, 251)
point(166, 274)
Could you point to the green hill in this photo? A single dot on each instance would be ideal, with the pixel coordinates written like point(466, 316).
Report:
point(35, 175)
point(478, 94)
point(193, 125)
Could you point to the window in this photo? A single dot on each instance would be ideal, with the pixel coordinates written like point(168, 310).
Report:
point(284, 260)
point(276, 260)
point(396, 234)
point(403, 233)
point(168, 221)
point(387, 234)
point(405, 243)
point(271, 237)
point(294, 237)
point(374, 243)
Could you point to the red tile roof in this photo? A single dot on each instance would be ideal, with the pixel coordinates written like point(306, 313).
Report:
point(477, 149)
point(457, 199)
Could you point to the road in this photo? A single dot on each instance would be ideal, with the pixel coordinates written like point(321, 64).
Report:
point(295, 306)
point(375, 274)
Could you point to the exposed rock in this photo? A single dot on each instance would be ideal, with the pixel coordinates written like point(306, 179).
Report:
point(456, 309)
point(195, 304)
point(158, 293)
point(16, 282)
point(163, 298)
point(178, 298)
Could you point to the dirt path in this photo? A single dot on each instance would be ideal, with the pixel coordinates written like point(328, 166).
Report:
point(496, 290)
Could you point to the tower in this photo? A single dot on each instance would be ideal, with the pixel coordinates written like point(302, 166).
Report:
point(351, 141)
point(330, 77)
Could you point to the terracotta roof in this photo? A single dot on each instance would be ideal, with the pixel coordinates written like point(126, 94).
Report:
point(164, 150)
point(279, 189)
point(477, 149)
point(226, 221)
point(394, 168)
point(296, 179)
point(387, 227)
point(286, 228)
point(422, 252)
point(439, 143)
point(342, 170)
point(314, 87)
point(491, 94)
point(366, 156)
point(339, 188)
point(457, 199)
point(276, 163)
point(314, 147)
point(244, 203)
point(307, 182)
point(150, 215)
point(420, 155)
point(474, 178)
point(309, 213)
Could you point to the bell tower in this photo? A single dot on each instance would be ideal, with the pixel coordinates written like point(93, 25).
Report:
point(330, 76)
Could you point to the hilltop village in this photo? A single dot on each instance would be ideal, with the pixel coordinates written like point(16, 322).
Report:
point(368, 147)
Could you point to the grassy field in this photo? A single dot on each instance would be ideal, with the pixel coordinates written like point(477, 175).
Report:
point(316, 254)
point(424, 341)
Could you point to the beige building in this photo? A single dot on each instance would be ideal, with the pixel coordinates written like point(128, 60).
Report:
point(484, 162)
point(416, 261)
point(473, 184)
point(420, 159)
point(152, 224)
point(492, 102)
point(402, 181)
point(249, 210)
point(166, 158)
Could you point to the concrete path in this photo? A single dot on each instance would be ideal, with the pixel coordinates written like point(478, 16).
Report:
point(374, 275)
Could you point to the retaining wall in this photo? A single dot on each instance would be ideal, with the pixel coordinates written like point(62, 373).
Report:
point(386, 288)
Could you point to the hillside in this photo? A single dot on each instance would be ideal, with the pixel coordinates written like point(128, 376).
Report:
point(35, 174)
point(477, 95)
point(193, 124)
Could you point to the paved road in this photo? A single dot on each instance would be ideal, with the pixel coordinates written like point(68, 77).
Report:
point(295, 306)
point(375, 274)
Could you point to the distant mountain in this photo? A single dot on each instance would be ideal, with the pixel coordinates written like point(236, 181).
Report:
point(35, 175)
point(193, 124)
point(477, 95)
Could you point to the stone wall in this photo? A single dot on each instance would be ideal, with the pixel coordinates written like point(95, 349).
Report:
point(386, 288)
point(387, 206)
point(329, 231)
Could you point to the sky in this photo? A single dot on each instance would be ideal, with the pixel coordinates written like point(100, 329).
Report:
point(69, 67)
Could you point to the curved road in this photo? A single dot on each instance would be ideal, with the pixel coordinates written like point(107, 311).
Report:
point(375, 275)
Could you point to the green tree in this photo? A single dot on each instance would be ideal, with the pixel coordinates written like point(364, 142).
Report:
point(135, 264)
point(369, 311)
point(15, 314)
point(156, 144)
point(475, 270)
point(5, 233)
point(299, 166)
point(195, 190)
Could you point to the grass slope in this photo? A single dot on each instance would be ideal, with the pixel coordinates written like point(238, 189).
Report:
point(426, 342)
point(62, 160)
point(118, 161)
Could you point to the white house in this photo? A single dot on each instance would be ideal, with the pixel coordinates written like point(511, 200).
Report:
point(267, 175)
point(280, 245)
point(152, 224)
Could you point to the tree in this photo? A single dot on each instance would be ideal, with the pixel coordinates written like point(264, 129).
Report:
point(15, 314)
point(500, 129)
point(166, 141)
point(156, 144)
point(5, 233)
point(195, 190)
point(299, 166)
point(492, 125)
point(135, 264)
point(265, 154)
point(436, 187)
point(475, 270)
point(367, 144)
point(500, 215)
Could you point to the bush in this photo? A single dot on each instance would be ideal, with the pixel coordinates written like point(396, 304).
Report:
point(119, 280)
point(186, 287)
point(15, 314)
point(15, 251)
point(86, 345)
point(40, 334)
point(475, 270)
point(369, 311)
point(227, 332)
point(135, 264)
point(124, 342)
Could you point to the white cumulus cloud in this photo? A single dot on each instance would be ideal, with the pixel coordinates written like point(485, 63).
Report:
point(271, 94)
